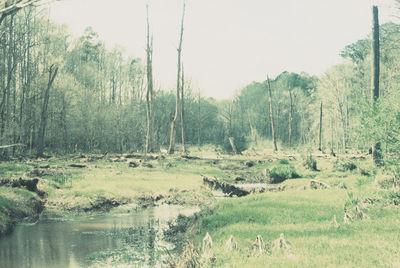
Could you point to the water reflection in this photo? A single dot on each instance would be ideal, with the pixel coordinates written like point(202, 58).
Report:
point(135, 239)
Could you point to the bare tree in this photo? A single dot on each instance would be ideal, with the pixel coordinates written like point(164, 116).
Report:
point(271, 115)
point(377, 153)
point(183, 110)
point(43, 119)
point(171, 148)
point(10, 7)
point(149, 94)
point(199, 120)
point(320, 128)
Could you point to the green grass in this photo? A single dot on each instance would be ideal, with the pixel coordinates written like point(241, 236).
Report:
point(14, 169)
point(283, 172)
point(14, 203)
point(305, 218)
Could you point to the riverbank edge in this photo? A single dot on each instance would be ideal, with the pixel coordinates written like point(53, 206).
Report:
point(18, 206)
point(29, 207)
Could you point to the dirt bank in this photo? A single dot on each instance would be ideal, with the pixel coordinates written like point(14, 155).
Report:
point(18, 205)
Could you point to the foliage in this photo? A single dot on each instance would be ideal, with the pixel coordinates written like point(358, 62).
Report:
point(281, 173)
point(284, 162)
point(310, 163)
point(346, 165)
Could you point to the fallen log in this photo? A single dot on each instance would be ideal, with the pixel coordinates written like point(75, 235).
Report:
point(226, 187)
point(315, 184)
point(255, 188)
point(11, 145)
point(77, 166)
point(189, 157)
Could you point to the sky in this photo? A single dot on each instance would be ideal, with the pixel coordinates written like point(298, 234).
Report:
point(227, 43)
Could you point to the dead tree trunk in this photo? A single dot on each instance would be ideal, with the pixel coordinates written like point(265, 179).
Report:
point(290, 117)
point(199, 121)
point(271, 115)
point(183, 111)
point(43, 119)
point(171, 148)
point(377, 152)
point(332, 151)
point(149, 93)
point(320, 128)
point(233, 145)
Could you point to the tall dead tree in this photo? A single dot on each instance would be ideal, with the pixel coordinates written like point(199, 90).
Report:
point(199, 120)
point(271, 115)
point(377, 152)
point(183, 110)
point(149, 93)
point(43, 119)
point(320, 128)
point(171, 148)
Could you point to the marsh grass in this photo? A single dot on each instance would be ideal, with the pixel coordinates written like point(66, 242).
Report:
point(303, 216)
point(306, 220)
point(14, 169)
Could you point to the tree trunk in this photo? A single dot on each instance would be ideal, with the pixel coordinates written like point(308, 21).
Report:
point(183, 111)
point(12, 7)
point(320, 128)
point(377, 151)
point(271, 115)
point(199, 122)
point(171, 148)
point(43, 119)
point(290, 118)
point(332, 151)
point(149, 94)
point(233, 145)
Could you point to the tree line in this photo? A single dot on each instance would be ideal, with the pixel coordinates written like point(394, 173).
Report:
point(63, 95)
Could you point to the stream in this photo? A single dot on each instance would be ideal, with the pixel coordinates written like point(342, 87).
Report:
point(125, 240)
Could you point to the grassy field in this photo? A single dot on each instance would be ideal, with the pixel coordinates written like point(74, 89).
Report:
point(111, 181)
point(305, 217)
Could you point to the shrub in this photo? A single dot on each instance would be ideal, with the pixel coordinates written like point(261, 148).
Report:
point(394, 197)
point(389, 182)
point(282, 172)
point(284, 162)
point(310, 163)
point(346, 165)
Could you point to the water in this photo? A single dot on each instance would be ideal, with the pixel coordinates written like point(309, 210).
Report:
point(129, 240)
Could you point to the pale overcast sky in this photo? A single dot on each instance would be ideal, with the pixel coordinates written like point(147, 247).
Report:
point(227, 43)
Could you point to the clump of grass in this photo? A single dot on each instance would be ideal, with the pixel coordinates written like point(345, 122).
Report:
point(283, 172)
point(310, 163)
point(60, 180)
point(352, 200)
point(284, 162)
point(9, 169)
point(363, 181)
point(394, 197)
point(346, 165)
point(388, 183)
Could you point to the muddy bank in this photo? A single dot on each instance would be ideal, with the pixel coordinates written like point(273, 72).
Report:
point(126, 204)
point(16, 206)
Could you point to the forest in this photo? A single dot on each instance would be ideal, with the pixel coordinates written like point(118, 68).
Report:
point(84, 130)
point(98, 100)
